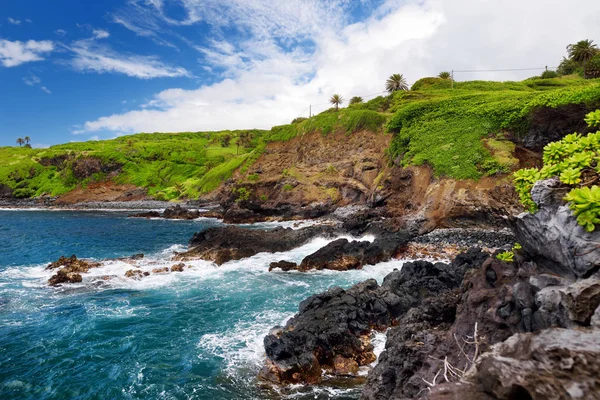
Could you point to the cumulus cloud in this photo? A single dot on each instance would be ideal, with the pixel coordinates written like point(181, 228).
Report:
point(288, 55)
point(91, 57)
point(16, 53)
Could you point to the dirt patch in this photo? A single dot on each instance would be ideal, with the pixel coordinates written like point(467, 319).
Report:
point(103, 192)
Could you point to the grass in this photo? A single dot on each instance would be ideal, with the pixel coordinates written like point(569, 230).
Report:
point(453, 130)
point(169, 165)
point(457, 131)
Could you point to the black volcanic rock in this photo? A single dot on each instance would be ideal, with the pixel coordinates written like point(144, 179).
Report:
point(225, 243)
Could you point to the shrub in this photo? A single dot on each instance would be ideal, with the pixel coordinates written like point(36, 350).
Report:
point(432, 83)
point(575, 160)
point(287, 187)
point(298, 120)
point(548, 74)
point(507, 256)
point(356, 100)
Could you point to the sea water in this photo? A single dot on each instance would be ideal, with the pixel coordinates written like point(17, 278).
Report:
point(195, 334)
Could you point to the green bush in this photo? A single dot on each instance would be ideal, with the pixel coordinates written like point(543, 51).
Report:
point(507, 256)
point(548, 74)
point(432, 83)
point(575, 160)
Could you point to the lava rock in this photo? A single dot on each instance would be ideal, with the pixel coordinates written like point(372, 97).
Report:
point(283, 265)
point(225, 243)
point(69, 270)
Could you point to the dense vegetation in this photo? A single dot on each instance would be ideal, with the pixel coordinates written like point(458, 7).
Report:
point(575, 160)
point(169, 165)
point(461, 132)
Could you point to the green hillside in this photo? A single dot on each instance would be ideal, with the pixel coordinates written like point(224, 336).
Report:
point(459, 129)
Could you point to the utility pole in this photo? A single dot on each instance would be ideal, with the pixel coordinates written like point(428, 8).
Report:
point(309, 110)
point(452, 80)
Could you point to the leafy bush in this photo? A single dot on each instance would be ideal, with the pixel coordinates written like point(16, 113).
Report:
point(548, 74)
point(507, 256)
point(432, 83)
point(575, 160)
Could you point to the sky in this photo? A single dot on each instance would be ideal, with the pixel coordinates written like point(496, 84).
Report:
point(73, 70)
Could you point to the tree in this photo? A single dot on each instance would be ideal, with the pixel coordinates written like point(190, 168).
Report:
point(445, 75)
point(336, 100)
point(356, 100)
point(396, 82)
point(582, 51)
point(225, 140)
point(27, 139)
point(20, 142)
point(567, 66)
point(244, 140)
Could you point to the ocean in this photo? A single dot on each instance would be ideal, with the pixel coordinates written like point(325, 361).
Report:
point(195, 334)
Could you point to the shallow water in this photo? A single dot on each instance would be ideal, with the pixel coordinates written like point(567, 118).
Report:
point(190, 335)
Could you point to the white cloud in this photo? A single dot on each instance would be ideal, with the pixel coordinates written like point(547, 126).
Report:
point(28, 20)
point(13, 21)
point(100, 34)
point(270, 79)
point(16, 53)
point(90, 57)
point(32, 80)
point(60, 32)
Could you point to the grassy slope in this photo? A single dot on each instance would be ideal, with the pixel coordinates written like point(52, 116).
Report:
point(459, 132)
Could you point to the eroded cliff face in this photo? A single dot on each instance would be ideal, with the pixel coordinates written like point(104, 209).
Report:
point(313, 174)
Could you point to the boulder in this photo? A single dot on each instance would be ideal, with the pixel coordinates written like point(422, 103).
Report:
point(343, 255)
point(283, 265)
point(146, 214)
point(552, 236)
point(179, 212)
point(69, 270)
point(178, 267)
point(553, 364)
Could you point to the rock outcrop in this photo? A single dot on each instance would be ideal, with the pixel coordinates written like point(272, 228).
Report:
point(553, 364)
point(69, 270)
point(333, 328)
point(552, 236)
point(174, 212)
point(225, 243)
point(344, 255)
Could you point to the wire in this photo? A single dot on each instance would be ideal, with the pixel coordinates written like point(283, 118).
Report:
point(502, 70)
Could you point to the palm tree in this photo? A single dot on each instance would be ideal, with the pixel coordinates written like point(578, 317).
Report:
point(356, 100)
point(336, 100)
point(396, 82)
point(20, 142)
point(444, 75)
point(582, 51)
point(27, 139)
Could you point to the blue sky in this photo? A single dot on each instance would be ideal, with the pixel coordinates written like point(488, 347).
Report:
point(82, 70)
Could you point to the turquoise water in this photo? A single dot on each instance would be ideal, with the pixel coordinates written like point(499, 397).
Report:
point(190, 335)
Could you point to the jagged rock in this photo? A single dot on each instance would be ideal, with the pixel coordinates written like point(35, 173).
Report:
point(334, 323)
point(160, 270)
point(554, 364)
point(552, 236)
point(147, 214)
point(135, 274)
point(178, 267)
point(343, 255)
point(283, 265)
point(64, 277)
point(226, 243)
point(70, 270)
point(567, 306)
point(178, 212)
